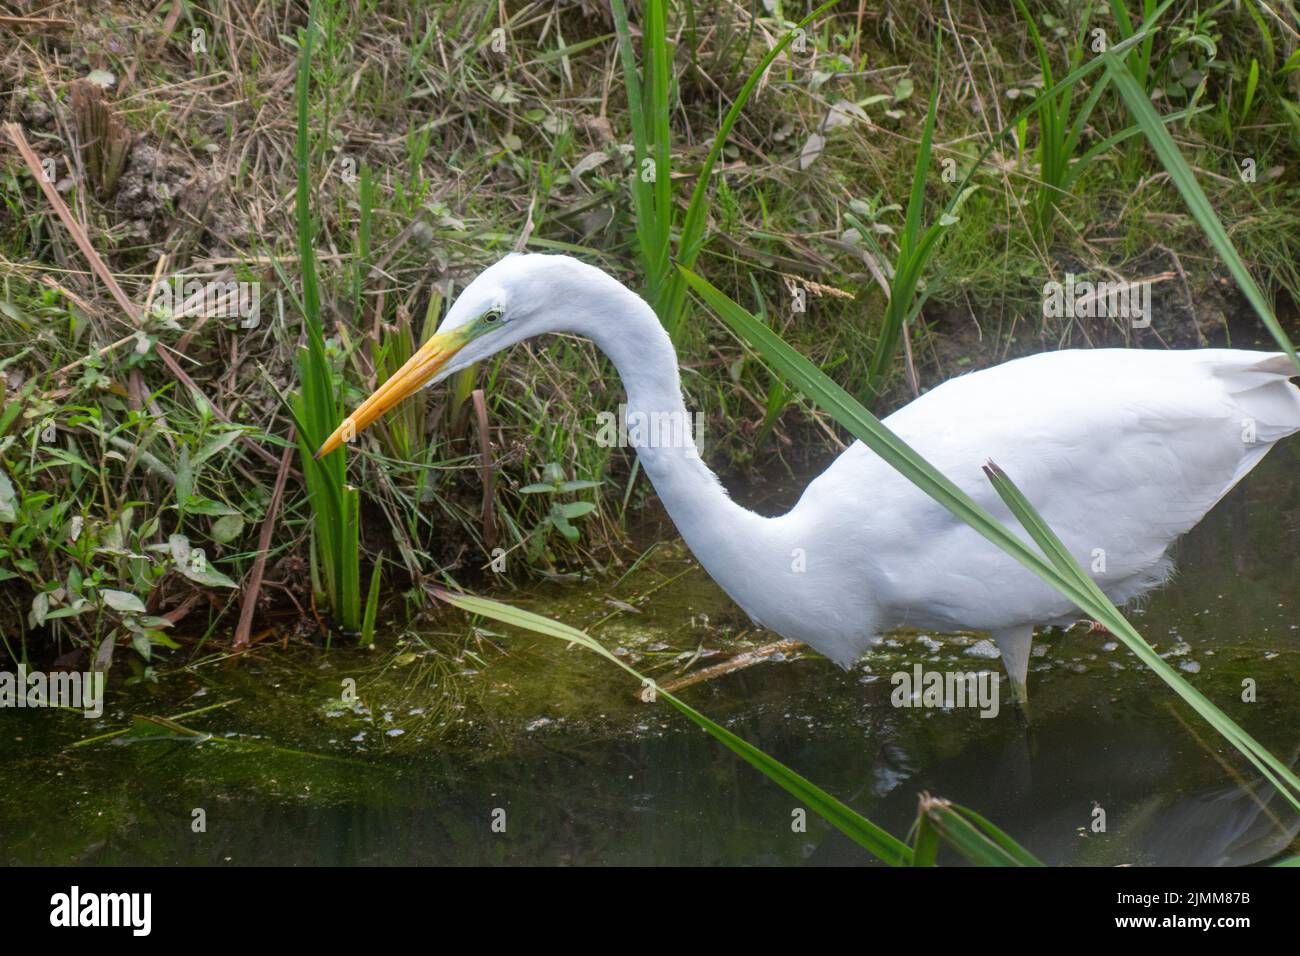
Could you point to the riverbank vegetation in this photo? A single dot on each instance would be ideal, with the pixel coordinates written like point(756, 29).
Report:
point(151, 496)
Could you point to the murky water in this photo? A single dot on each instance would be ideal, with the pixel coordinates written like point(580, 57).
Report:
point(452, 732)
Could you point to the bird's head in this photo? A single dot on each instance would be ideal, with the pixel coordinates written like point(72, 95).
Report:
point(514, 299)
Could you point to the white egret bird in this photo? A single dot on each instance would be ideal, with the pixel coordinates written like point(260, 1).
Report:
point(1120, 450)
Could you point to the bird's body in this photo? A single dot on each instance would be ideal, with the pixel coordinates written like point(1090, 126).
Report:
point(1121, 451)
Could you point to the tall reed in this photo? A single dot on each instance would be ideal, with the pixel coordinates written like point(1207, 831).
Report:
point(317, 410)
point(650, 103)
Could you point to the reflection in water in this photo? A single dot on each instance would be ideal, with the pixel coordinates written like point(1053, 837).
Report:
point(1049, 789)
point(553, 743)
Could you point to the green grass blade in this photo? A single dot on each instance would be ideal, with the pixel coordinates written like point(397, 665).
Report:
point(697, 209)
point(692, 235)
point(1252, 81)
point(642, 192)
point(925, 844)
point(334, 506)
point(659, 106)
point(973, 843)
point(372, 606)
point(914, 251)
point(999, 837)
point(916, 200)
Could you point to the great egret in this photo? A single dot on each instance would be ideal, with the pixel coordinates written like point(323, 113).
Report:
point(1120, 450)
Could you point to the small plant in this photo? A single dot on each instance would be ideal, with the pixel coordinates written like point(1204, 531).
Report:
point(1061, 128)
point(91, 561)
point(1193, 56)
point(562, 514)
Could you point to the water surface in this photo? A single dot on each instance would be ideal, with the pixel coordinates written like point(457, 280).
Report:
point(454, 731)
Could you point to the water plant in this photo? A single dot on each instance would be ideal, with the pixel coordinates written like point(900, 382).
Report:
point(561, 515)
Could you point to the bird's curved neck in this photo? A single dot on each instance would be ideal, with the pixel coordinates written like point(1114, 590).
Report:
point(718, 531)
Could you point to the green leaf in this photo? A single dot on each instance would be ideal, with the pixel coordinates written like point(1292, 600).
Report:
point(184, 479)
point(81, 606)
point(217, 445)
point(122, 601)
point(40, 609)
point(67, 457)
point(983, 845)
point(576, 509)
point(561, 523)
point(8, 500)
point(199, 505)
point(372, 606)
point(578, 485)
point(194, 564)
point(227, 528)
point(158, 637)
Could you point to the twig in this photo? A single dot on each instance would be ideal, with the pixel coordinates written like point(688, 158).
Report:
point(485, 469)
point(522, 242)
point(746, 659)
point(243, 629)
point(36, 21)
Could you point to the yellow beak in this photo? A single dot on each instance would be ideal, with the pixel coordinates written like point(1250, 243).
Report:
point(421, 367)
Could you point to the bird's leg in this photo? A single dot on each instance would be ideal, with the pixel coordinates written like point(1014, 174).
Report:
point(1014, 644)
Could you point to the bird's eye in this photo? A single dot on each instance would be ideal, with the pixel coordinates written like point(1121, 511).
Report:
point(492, 316)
